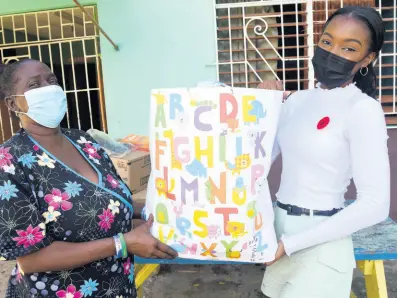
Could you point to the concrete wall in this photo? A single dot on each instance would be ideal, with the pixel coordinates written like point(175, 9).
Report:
point(162, 44)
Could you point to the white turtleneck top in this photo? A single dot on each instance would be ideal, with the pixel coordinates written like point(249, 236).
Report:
point(327, 137)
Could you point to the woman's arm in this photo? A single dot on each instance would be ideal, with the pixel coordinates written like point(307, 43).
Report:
point(138, 206)
point(60, 255)
point(367, 136)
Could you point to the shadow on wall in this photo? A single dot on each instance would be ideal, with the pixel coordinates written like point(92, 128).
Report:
point(275, 174)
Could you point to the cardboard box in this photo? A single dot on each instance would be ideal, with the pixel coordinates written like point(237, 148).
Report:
point(140, 196)
point(134, 168)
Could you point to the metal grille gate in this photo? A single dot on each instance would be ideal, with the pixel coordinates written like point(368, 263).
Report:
point(273, 39)
point(69, 44)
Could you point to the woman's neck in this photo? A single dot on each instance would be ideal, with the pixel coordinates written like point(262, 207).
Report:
point(342, 86)
point(43, 134)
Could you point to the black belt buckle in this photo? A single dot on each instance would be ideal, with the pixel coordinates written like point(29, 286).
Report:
point(294, 210)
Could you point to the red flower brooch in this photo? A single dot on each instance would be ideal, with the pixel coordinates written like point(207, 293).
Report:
point(323, 123)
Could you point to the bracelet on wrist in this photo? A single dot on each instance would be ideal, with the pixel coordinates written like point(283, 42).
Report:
point(143, 214)
point(118, 246)
point(124, 246)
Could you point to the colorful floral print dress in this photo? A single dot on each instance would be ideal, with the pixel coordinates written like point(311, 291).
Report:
point(42, 200)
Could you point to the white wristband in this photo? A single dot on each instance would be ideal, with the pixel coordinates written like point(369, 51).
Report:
point(118, 246)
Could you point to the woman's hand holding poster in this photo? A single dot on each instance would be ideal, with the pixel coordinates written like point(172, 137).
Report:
point(211, 153)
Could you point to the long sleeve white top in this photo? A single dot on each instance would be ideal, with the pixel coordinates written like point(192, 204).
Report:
point(318, 163)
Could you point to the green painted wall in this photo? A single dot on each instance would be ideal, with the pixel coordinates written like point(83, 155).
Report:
point(18, 6)
point(162, 44)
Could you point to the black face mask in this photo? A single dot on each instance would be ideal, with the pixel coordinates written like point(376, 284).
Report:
point(331, 70)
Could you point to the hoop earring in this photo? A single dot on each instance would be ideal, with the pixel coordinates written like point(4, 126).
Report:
point(364, 74)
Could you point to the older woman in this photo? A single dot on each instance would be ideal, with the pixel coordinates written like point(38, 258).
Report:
point(65, 214)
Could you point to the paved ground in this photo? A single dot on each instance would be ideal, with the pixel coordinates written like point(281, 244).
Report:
point(179, 281)
point(227, 281)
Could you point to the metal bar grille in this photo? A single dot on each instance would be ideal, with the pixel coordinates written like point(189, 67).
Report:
point(274, 39)
point(50, 25)
point(68, 43)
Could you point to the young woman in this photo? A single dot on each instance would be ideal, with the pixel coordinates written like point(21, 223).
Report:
point(65, 214)
point(327, 136)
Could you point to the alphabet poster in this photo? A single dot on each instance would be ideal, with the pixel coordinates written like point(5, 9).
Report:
point(211, 153)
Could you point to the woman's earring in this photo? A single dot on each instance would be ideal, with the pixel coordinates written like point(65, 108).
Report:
point(361, 71)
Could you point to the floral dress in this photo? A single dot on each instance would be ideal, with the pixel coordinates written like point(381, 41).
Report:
point(42, 200)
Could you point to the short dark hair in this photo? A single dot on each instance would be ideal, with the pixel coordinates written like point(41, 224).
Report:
point(373, 21)
point(8, 78)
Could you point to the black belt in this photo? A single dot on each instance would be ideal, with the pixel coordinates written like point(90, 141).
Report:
point(298, 211)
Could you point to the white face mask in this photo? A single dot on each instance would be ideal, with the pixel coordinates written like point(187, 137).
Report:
point(46, 105)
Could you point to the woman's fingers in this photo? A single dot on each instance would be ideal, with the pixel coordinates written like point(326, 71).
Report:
point(149, 222)
point(158, 254)
point(269, 263)
point(171, 253)
point(286, 94)
point(162, 251)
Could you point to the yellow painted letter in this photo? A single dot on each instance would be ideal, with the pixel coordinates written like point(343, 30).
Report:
point(247, 107)
point(206, 152)
point(197, 215)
